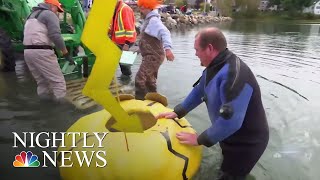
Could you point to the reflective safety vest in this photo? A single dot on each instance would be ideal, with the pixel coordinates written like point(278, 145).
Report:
point(123, 26)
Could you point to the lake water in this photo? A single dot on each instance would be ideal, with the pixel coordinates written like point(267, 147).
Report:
point(285, 57)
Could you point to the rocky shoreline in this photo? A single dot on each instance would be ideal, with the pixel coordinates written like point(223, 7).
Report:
point(176, 21)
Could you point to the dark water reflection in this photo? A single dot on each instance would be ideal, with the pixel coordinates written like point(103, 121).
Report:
point(285, 59)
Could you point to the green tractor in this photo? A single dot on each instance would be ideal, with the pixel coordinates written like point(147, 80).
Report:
point(13, 14)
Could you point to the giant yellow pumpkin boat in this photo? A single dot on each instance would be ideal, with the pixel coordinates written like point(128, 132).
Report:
point(153, 154)
point(137, 146)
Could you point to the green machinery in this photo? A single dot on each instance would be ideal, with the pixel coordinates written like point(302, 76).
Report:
point(13, 14)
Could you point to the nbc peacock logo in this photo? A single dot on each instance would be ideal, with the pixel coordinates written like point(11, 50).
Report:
point(26, 160)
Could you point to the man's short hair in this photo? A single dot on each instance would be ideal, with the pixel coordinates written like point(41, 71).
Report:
point(212, 36)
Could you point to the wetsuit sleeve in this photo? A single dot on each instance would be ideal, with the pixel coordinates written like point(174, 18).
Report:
point(230, 119)
point(194, 98)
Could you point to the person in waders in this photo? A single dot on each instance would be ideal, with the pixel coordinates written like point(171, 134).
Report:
point(155, 43)
point(41, 31)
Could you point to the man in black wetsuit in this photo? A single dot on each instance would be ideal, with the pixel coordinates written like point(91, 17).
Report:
point(233, 99)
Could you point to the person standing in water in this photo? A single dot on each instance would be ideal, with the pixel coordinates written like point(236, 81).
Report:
point(155, 44)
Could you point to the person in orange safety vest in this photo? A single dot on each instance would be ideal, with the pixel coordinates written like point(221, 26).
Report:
point(122, 31)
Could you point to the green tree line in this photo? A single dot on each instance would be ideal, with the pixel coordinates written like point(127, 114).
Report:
point(249, 8)
point(292, 5)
